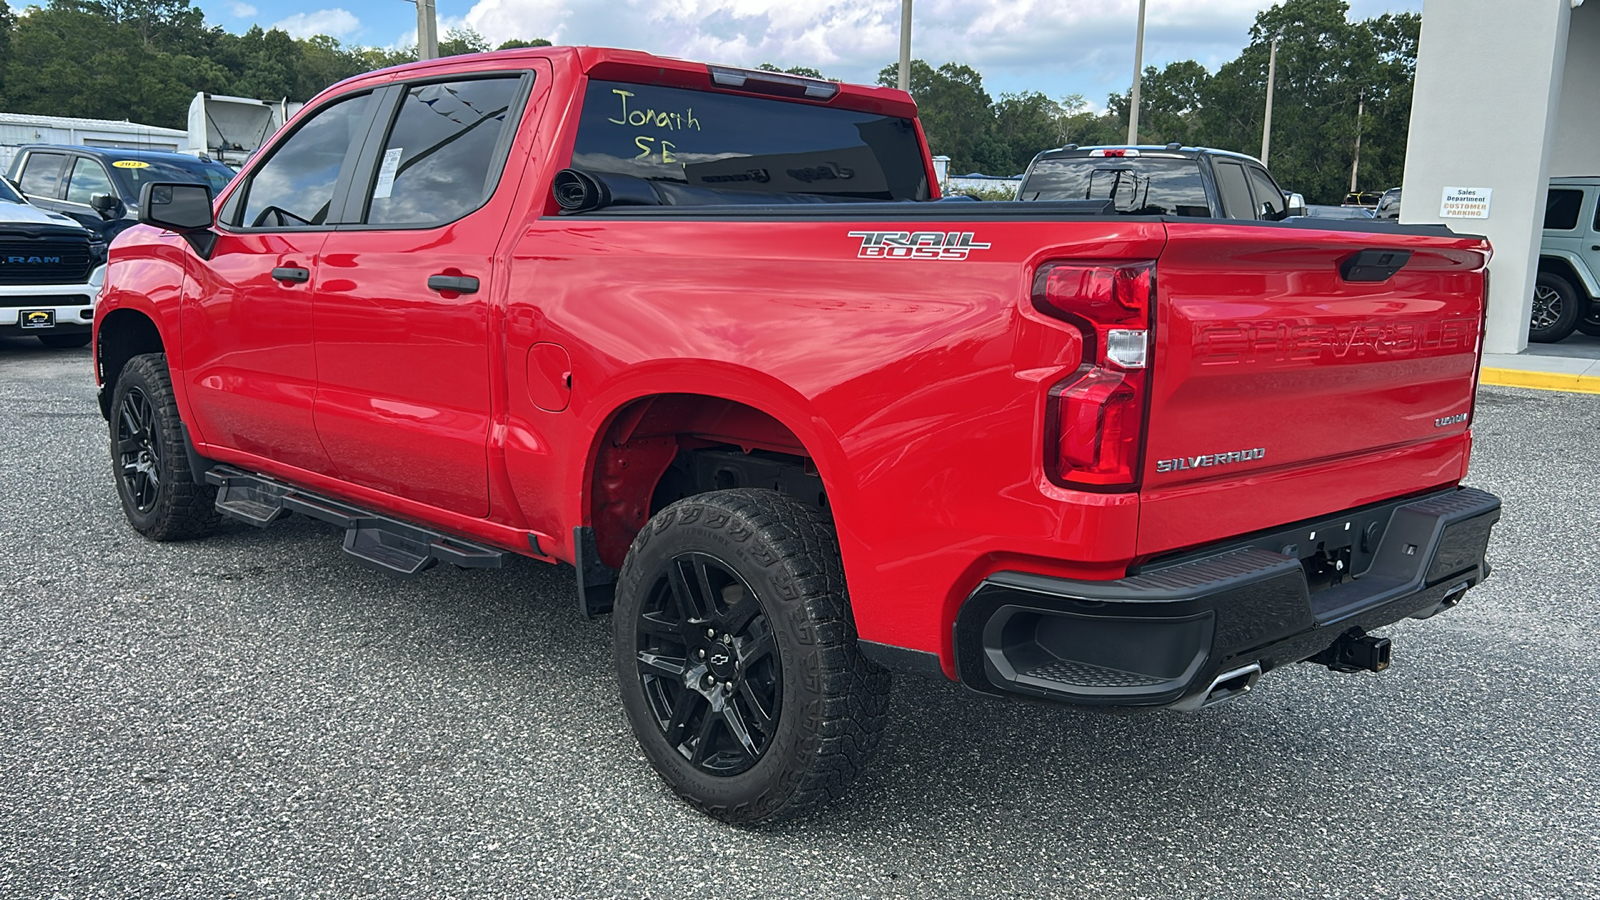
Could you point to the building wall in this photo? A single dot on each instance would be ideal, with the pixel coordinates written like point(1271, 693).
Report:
point(1489, 77)
point(1577, 145)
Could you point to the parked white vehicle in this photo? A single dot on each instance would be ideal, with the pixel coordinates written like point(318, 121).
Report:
point(1566, 293)
point(51, 271)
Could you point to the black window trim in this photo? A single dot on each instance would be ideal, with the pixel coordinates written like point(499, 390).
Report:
point(61, 169)
point(239, 197)
point(353, 204)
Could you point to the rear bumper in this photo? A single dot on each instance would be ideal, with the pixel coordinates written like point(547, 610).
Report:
point(1169, 634)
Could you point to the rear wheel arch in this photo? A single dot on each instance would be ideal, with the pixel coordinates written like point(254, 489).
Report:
point(121, 336)
point(652, 451)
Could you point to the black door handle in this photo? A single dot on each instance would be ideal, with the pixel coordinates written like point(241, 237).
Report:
point(1595, 247)
point(460, 284)
point(290, 273)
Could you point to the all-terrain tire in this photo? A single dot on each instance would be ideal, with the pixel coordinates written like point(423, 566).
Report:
point(759, 577)
point(149, 459)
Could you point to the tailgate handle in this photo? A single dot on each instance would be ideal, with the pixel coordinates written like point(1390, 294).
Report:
point(1373, 265)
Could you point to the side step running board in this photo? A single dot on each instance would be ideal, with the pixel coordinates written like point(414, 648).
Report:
point(379, 542)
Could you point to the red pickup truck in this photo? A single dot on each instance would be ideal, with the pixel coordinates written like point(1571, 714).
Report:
point(711, 337)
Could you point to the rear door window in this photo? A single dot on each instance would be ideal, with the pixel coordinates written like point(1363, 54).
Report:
point(1138, 186)
point(699, 143)
point(1235, 190)
point(88, 178)
point(41, 175)
point(1269, 200)
point(1561, 209)
point(446, 150)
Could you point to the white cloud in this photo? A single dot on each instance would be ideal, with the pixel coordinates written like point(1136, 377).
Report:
point(335, 23)
point(1066, 46)
point(240, 10)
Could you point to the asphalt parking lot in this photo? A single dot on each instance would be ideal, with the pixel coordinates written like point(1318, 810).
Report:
point(256, 716)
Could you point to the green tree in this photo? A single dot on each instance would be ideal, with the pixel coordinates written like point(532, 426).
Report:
point(805, 71)
point(462, 40)
point(516, 43)
point(1328, 67)
point(1170, 101)
point(1024, 124)
point(956, 112)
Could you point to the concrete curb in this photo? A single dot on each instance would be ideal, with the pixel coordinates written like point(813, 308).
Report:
point(1546, 381)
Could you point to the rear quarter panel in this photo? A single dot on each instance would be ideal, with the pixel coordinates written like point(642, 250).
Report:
point(917, 385)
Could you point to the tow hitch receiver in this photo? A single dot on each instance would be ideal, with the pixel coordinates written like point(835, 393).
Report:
point(1356, 651)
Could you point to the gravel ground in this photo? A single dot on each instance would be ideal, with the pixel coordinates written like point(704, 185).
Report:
point(254, 715)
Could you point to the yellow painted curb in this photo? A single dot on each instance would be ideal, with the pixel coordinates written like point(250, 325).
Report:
point(1545, 381)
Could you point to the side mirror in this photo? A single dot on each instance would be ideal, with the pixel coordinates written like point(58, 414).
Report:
point(184, 208)
point(107, 206)
point(1295, 204)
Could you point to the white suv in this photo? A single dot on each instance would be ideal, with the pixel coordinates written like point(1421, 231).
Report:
point(1566, 294)
point(51, 270)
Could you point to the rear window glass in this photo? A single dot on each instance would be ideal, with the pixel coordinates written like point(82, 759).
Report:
point(728, 142)
point(1561, 210)
point(1142, 186)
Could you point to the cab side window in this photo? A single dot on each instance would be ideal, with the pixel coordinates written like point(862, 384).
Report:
point(41, 175)
point(88, 178)
point(294, 187)
point(1561, 209)
point(1269, 200)
point(1235, 191)
point(444, 154)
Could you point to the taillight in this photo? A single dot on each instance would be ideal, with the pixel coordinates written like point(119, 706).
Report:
point(1095, 420)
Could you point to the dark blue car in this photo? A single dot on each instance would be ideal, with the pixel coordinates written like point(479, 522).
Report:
point(99, 186)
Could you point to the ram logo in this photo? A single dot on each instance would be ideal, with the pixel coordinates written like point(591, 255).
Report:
point(32, 260)
point(945, 245)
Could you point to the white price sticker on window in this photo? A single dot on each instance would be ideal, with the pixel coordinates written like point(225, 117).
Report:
point(386, 173)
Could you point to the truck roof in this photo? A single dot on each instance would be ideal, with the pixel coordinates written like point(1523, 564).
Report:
point(646, 68)
point(1167, 151)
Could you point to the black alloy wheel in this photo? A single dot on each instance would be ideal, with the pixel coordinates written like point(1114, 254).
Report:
point(708, 664)
point(736, 656)
point(150, 459)
point(138, 451)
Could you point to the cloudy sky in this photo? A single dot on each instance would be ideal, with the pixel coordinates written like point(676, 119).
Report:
point(1059, 47)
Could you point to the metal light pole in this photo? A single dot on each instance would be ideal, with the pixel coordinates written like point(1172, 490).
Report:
point(427, 30)
point(905, 45)
point(1361, 106)
point(1138, 74)
point(1266, 126)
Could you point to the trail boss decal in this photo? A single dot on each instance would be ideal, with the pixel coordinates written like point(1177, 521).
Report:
point(916, 244)
point(1210, 459)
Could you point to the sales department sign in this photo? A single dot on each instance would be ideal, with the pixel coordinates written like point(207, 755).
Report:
point(1465, 203)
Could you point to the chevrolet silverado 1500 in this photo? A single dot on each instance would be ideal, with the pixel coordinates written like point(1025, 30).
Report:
point(710, 336)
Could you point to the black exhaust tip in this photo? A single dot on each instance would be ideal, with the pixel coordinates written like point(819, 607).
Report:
point(1357, 651)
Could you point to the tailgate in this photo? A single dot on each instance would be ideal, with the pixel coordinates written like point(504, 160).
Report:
point(1294, 376)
